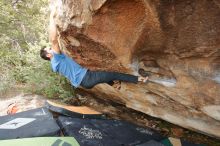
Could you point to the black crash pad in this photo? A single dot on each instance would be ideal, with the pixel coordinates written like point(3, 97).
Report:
point(32, 123)
point(105, 132)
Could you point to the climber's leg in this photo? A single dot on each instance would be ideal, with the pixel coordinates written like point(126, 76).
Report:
point(93, 78)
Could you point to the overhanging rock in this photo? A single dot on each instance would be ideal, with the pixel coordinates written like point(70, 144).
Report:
point(177, 41)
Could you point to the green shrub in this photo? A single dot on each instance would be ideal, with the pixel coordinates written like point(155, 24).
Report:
point(23, 31)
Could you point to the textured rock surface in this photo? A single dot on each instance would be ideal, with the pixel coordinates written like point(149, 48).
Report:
point(177, 41)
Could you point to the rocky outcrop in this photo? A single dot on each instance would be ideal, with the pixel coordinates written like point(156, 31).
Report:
point(176, 41)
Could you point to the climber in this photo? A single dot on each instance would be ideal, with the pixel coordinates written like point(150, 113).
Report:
point(78, 75)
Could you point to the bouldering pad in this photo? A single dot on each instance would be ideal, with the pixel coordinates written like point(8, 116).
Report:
point(178, 142)
point(106, 132)
point(41, 141)
point(32, 123)
point(73, 111)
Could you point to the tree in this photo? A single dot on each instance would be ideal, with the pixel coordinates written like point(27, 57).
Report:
point(23, 30)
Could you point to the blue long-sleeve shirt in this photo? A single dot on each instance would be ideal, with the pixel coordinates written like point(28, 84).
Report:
point(66, 66)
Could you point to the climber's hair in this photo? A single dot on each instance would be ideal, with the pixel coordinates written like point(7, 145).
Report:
point(43, 53)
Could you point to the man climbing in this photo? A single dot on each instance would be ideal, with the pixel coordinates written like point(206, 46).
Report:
point(78, 75)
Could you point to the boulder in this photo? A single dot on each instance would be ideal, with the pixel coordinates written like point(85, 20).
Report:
point(177, 42)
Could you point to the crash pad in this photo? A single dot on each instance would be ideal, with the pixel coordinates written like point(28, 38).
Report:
point(151, 143)
point(73, 111)
point(178, 142)
point(32, 123)
point(41, 141)
point(106, 132)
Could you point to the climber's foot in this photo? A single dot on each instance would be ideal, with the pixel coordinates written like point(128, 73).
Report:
point(143, 73)
point(117, 85)
point(143, 79)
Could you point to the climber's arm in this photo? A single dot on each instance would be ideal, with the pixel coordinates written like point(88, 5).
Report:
point(53, 35)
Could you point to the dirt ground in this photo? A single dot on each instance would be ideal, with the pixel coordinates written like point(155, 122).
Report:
point(23, 102)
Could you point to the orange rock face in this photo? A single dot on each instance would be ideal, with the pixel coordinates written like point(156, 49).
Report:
point(176, 41)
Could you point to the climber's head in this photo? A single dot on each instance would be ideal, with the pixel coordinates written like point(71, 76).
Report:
point(46, 53)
